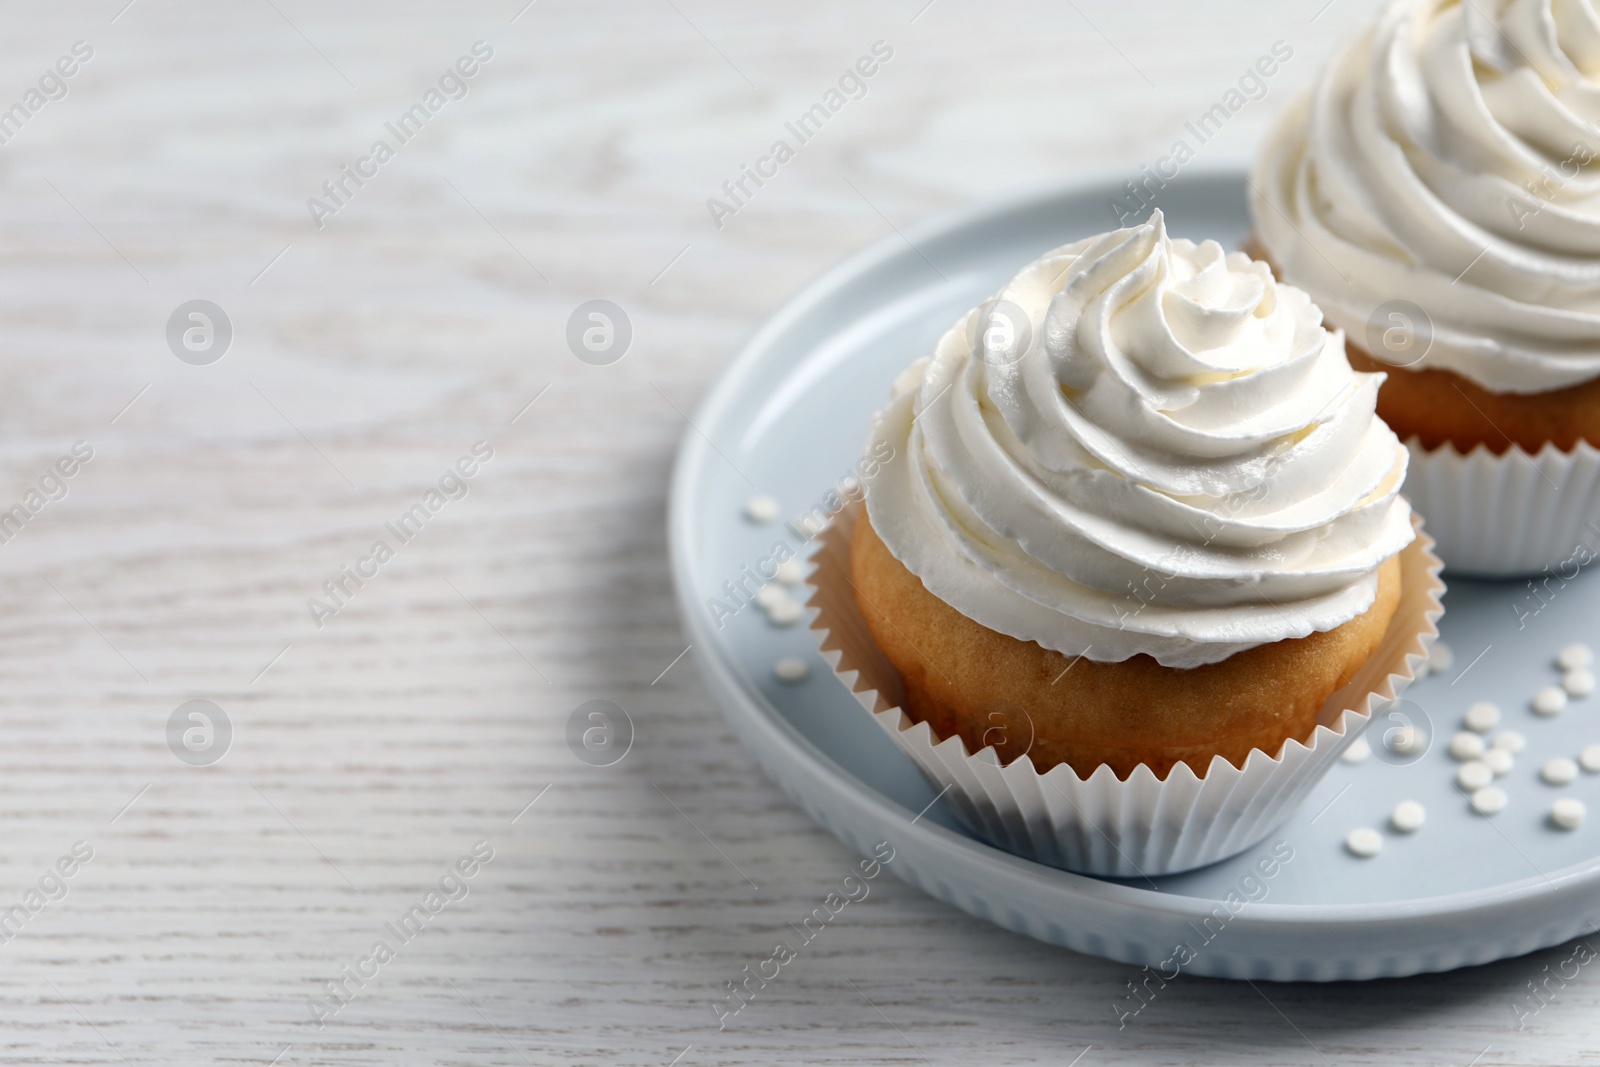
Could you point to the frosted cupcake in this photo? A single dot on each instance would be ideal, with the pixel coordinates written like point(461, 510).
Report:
point(1143, 526)
point(1435, 194)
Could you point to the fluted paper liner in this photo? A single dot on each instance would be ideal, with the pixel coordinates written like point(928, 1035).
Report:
point(1512, 514)
point(1103, 825)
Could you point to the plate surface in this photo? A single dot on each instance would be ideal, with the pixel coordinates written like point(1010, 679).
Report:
point(788, 419)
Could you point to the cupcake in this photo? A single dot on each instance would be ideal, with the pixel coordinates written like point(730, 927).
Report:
point(1435, 194)
point(1142, 540)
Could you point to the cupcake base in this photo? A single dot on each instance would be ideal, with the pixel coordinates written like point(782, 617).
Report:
point(1021, 698)
point(1144, 824)
point(1440, 407)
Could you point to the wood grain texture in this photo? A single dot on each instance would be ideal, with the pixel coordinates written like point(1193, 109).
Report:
point(373, 751)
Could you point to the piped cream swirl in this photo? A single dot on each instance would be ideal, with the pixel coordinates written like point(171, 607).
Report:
point(1446, 157)
point(1143, 445)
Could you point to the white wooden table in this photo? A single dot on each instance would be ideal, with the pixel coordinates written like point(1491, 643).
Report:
point(430, 712)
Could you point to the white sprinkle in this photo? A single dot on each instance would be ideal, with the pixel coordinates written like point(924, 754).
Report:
point(1474, 775)
point(1408, 816)
point(769, 596)
point(1405, 740)
point(1500, 761)
point(1578, 682)
point(1483, 717)
point(1567, 813)
point(1575, 656)
point(784, 613)
point(1364, 843)
point(1465, 746)
point(790, 669)
point(1441, 657)
point(1489, 800)
point(791, 572)
point(761, 509)
point(1359, 750)
point(1589, 759)
point(1551, 700)
point(1559, 771)
point(1510, 741)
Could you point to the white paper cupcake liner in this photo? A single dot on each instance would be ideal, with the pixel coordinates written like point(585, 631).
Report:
point(1102, 825)
point(1511, 514)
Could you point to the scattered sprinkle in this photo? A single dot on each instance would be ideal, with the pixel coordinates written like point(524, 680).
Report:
point(1567, 813)
point(761, 509)
point(769, 596)
point(1441, 657)
point(1474, 775)
point(1551, 700)
point(790, 669)
point(1589, 759)
point(1408, 816)
point(1574, 656)
point(1489, 801)
point(1359, 750)
point(1510, 741)
point(784, 613)
point(791, 572)
point(1483, 717)
point(1465, 746)
point(1579, 682)
point(1364, 842)
point(1500, 761)
point(1559, 771)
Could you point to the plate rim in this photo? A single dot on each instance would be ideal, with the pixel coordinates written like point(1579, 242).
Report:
point(751, 709)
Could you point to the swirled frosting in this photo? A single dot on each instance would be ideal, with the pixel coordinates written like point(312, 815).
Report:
point(1445, 157)
point(1143, 445)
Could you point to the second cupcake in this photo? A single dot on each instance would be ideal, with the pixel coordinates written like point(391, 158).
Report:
point(1435, 193)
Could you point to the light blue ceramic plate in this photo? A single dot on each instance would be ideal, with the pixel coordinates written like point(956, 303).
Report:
point(788, 420)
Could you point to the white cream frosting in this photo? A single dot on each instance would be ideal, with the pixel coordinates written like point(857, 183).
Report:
point(1169, 455)
point(1447, 157)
